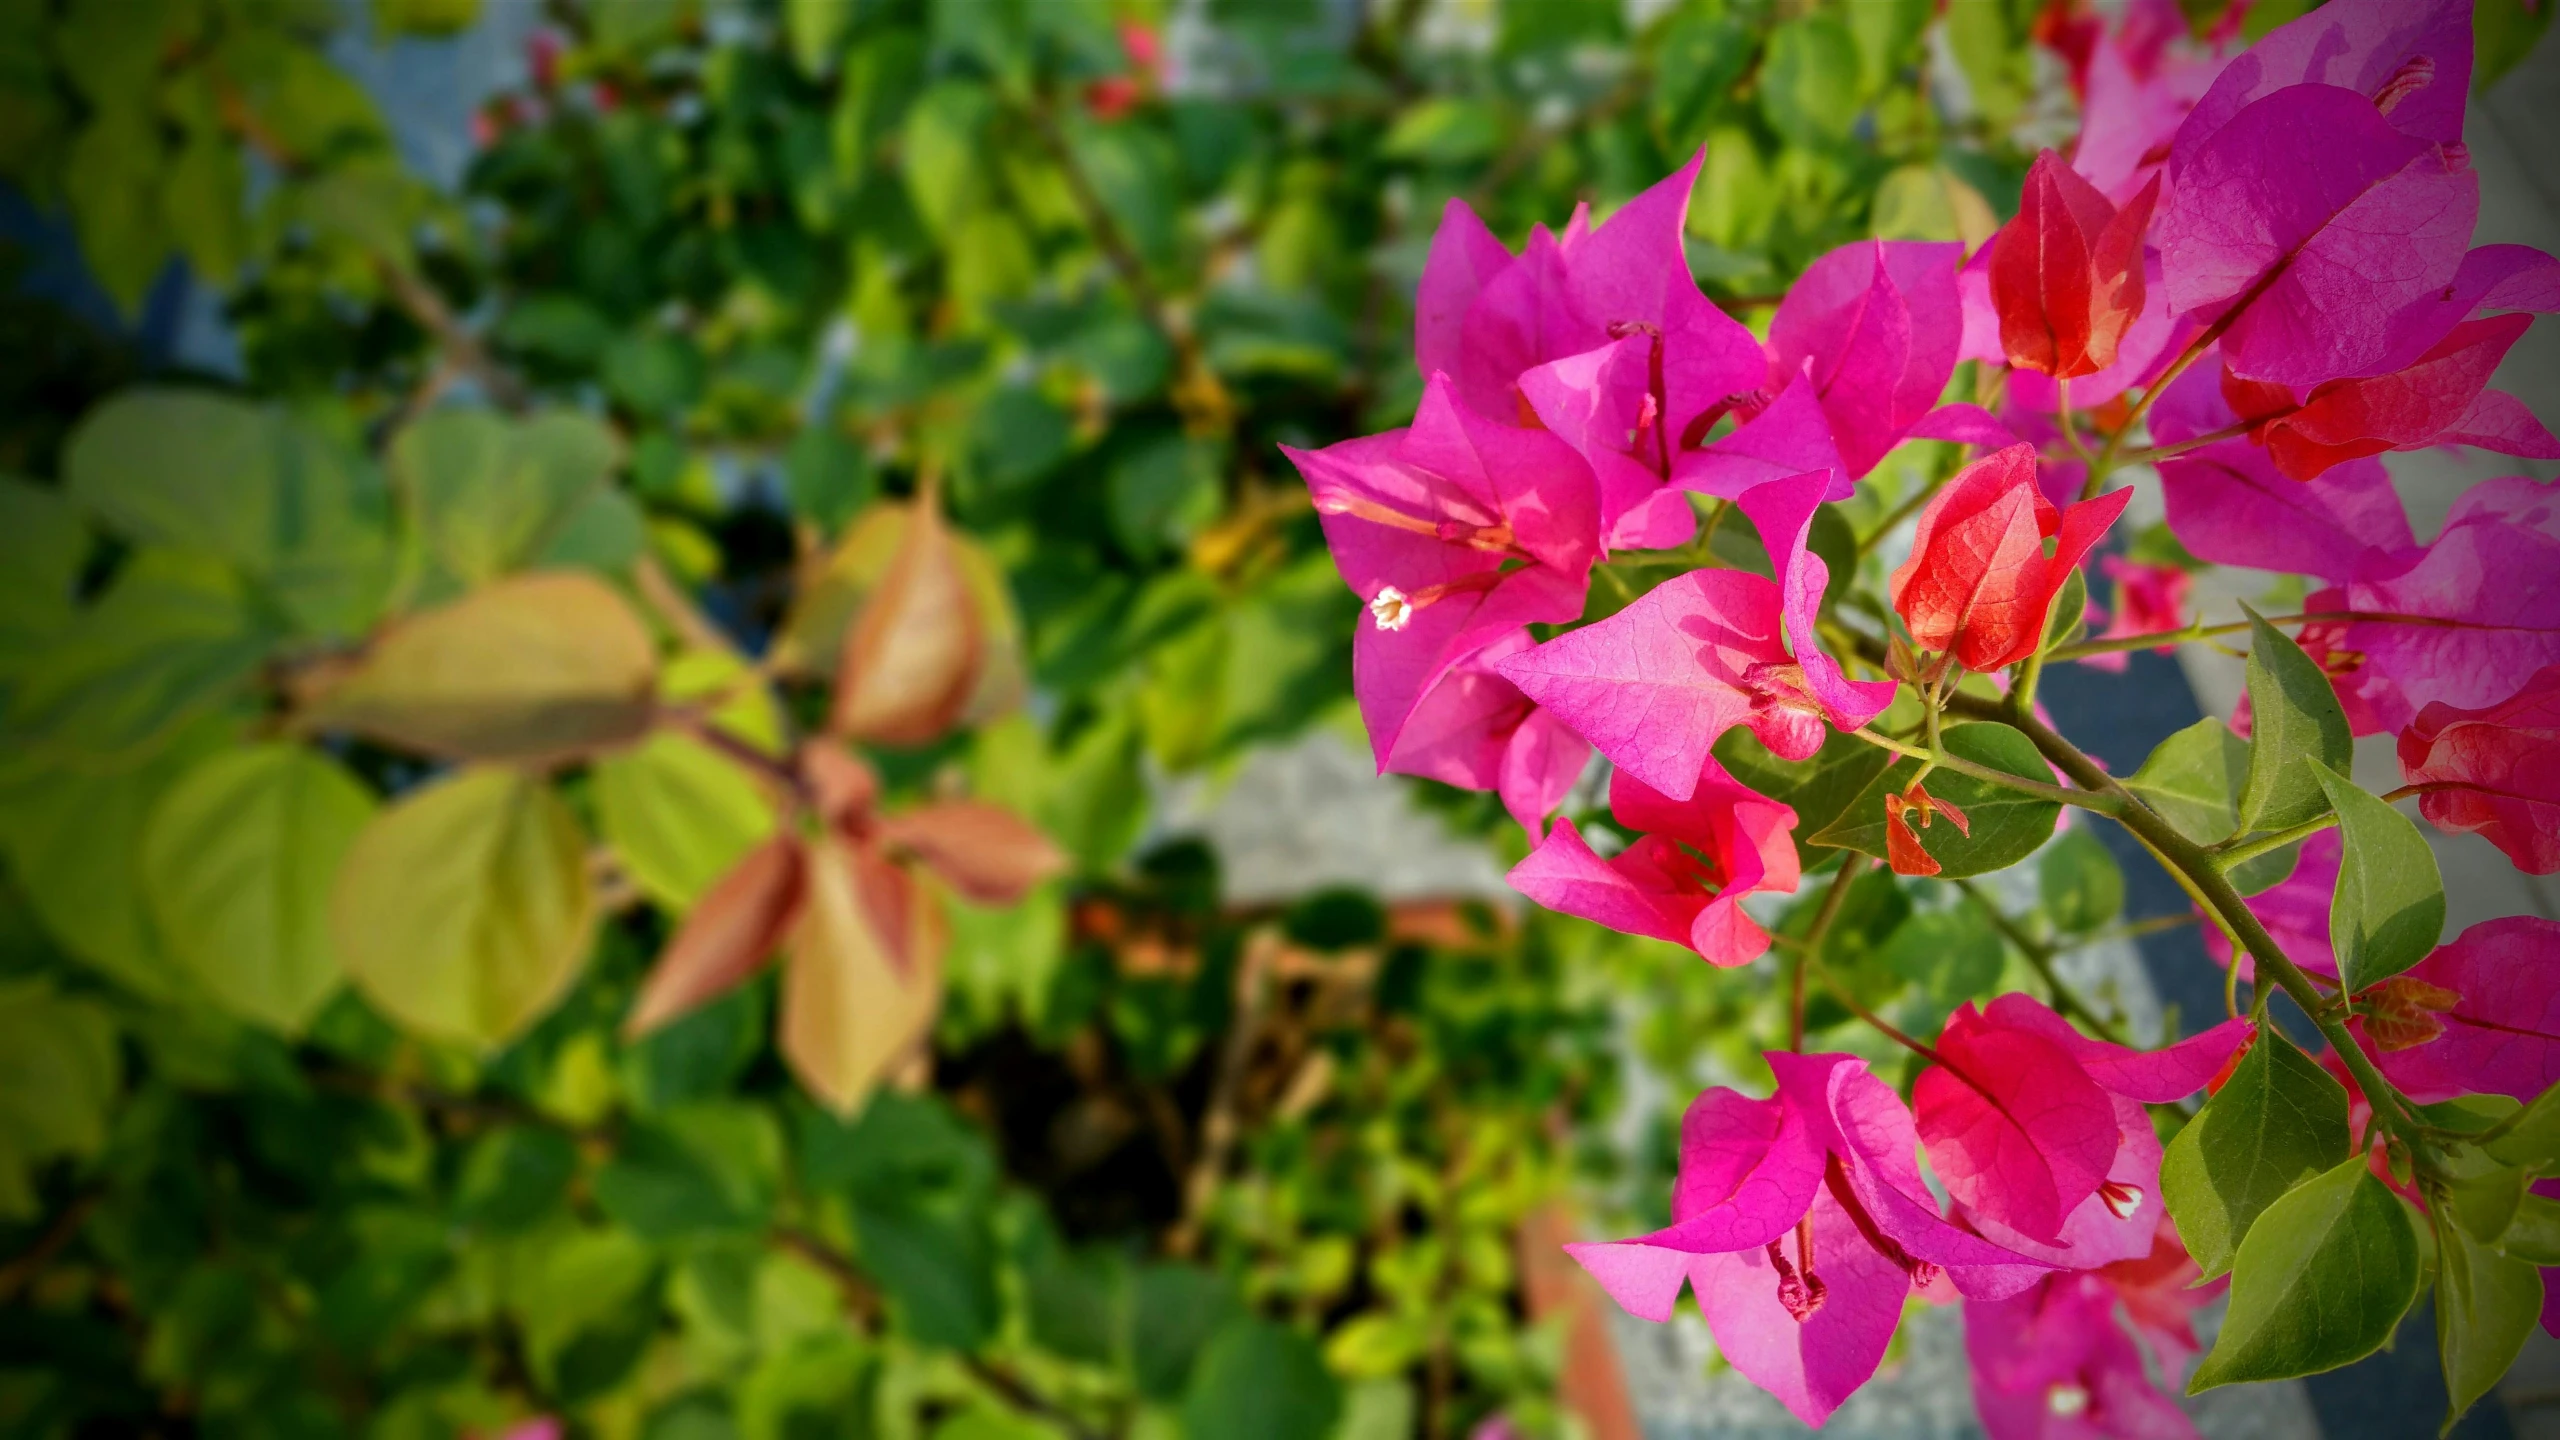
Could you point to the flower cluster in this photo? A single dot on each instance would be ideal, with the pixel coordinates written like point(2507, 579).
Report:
point(2253, 272)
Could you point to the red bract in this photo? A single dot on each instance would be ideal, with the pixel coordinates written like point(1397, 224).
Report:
point(2442, 399)
point(1685, 879)
point(2494, 771)
point(2066, 274)
point(1979, 582)
point(1902, 847)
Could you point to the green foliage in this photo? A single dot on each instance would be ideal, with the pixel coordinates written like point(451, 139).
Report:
point(2296, 727)
point(2279, 1120)
point(2388, 908)
point(2007, 826)
point(2195, 779)
point(2081, 886)
point(2321, 1281)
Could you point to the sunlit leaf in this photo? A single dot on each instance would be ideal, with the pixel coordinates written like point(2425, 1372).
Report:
point(2322, 1280)
point(464, 908)
point(2388, 909)
point(2279, 1120)
point(2294, 723)
point(863, 976)
point(678, 814)
point(2194, 779)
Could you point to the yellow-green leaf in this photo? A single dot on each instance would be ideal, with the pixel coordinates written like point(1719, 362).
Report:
point(533, 668)
point(679, 814)
point(464, 908)
point(237, 862)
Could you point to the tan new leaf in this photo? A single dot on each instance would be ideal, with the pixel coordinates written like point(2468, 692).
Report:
point(534, 668)
point(864, 974)
point(988, 853)
point(464, 908)
point(737, 923)
point(910, 657)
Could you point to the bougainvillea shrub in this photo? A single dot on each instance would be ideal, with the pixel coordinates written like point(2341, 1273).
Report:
point(2254, 276)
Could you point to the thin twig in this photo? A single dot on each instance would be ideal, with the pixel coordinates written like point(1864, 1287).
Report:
point(2163, 638)
point(1218, 1122)
point(2040, 957)
point(1811, 945)
point(65, 1228)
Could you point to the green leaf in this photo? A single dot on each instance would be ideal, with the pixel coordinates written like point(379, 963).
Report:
point(943, 151)
point(694, 1170)
point(2533, 1233)
point(2532, 1139)
point(59, 1073)
point(42, 546)
point(2261, 873)
point(679, 814)
point(464, 907)
point(938, 1270)
point(1445, 130)
point(1174, 1310)
point(2007, 826)
point(2321, 1283)
point(2194, 779)
point(237, 863)
point(1260, 1380)
point(2069, 617)
point(578, 1301)
point(2503, 32)
point(513, 1177)
point(1809, 81)
point(2278, 1120)
point(1953, 955)
point(492, 493)
point(1701, 53)
point(2294, 723)
point(2388, 909)
point(2487, 1304)
point(1818, 787)
point(2079, 882)
point(175, 638)
point(287, 506)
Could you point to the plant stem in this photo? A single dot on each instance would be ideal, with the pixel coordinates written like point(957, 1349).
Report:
point(2238, 851)
point(1811, 945)
point(2040, 956)
point(2070, 430)
point(2232, 627)
point(2156, 453)
point(2085, 799)
point(1882, 1026)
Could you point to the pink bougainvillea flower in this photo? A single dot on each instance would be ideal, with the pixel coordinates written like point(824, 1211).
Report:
point(1788, 436)
point(2319, 236)
point(2483, 602)
point(1684, 880)
point(1879, 323)
point(2440, 399)
point(2143, 78)
point(1455, 531)
point(2054, 1363)
point(1978, 583)
point(2039, 1131)
point(1806, 1228)
point(1657, 684)
point(2148, 600)
point(2411, 62)
point(2066, 273)
point(1489, 318)
point(2494, 771)
point(2229, 504)
point(2295, 911)
point(1475, 730)
point(2501, 1032)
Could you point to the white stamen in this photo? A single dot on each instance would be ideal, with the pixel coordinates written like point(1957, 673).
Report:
point(2066, 1400)
point(1391, 608)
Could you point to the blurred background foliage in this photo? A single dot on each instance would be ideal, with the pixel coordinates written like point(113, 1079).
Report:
point(606, 445)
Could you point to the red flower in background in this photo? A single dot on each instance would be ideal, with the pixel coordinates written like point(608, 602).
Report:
point(2066, 274)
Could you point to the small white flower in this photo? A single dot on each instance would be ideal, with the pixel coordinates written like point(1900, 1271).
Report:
point(2066, 1400)
point(1391, 608)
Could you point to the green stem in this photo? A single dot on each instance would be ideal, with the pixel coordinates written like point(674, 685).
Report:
point(2040, 956)
point(2085, 799)
point(2070, 430)
point(1900, 513)
point(2233, 627)
point(2157, 453)
point(1811, 945)
point(2237, 851)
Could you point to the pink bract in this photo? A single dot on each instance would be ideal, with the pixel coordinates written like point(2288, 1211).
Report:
point(1874, 326)
point(2502, 1036)
point(2148, 600)
point(1423, 523)
point(2487, 592)
point(1475, 730)
point(2414, 57)
point(1684, 880)
point(2495, 771)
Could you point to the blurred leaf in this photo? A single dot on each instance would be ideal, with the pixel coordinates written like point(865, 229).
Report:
point(2503, 33)
point(2279, 1120)
point(2388, 907)
point(1701, 53)
point(174, 639)
point(1258, 1380)
point(492, 493)
point(1446, 130)
point(2324, 1281)
point(59, 1074)
point(237, 864)
point(579, 1301)
point(678, 814)
point(464, 908)
point(512, 1177)
point(1930, 202)
point(534, 668)
point(863, 977)
point(1809, 81)
point(1953, 955)
point(42, 546)
point(2079, 882)
point(2295, 727)
point(1174, 1311)
point(692, 1170)
point(2486, 1308)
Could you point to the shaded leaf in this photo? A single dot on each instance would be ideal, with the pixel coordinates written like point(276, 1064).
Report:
point(1817, 789)
point(490, 493)
point(1260, 1380)
point(2079, 882)
point(2007, 826)
point(59, 1074)
point(2194, 779)
point(2487, 1304)
point(175, 637)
